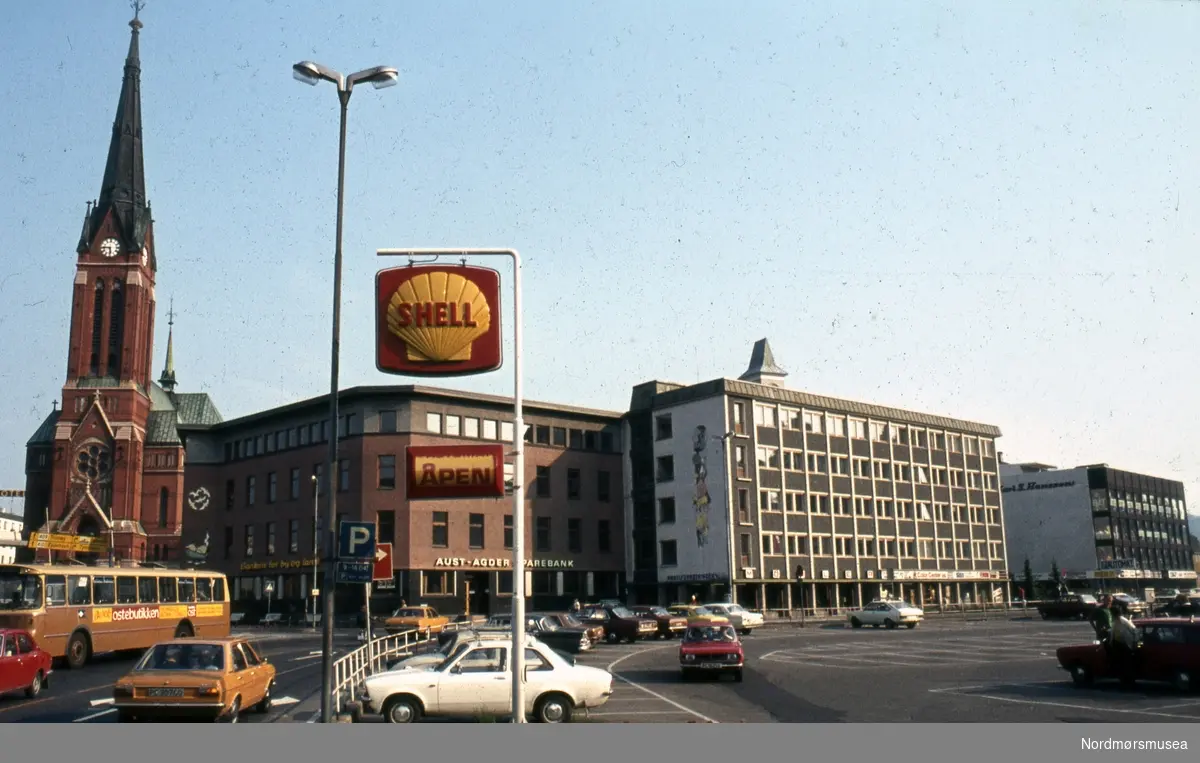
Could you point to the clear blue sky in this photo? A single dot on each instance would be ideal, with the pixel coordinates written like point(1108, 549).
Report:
point(985, 210)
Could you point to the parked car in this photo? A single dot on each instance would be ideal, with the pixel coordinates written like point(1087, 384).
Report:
point(696, 614)
point(1134, 606)
point(620, 623)
point(1168, 650)
point(569, 620)
point(188, 678)
point(1175, 608)
point(888, 613)
point(743, 619)
point(570, 640)
point(478, 683)
point(23, 664)
point(449, 642)
point(1075, 606)
point(422, 618)
point(669, 625)
point(711, 649)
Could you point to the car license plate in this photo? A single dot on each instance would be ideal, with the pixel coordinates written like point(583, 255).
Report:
point(711, 665)
point(165, 693)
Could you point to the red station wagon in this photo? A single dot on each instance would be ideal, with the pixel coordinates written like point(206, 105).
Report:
point(23, 664)
point(1168, 650)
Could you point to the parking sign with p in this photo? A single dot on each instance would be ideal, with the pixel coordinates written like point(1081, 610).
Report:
point(356, 540)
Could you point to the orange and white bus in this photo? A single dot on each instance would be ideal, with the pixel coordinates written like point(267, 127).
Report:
point(76, 611)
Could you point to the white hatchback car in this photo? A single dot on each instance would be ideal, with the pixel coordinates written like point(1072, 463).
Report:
point(742, 619)
point(477, 682)
point(889, 613)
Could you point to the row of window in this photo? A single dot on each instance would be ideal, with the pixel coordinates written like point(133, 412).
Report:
point(575, 489)
point(574, 583)
point(801, 544)
point(1138, 531)
point(300, 436)
point(1148, 558)
point(107, 590)
point(1140, 504)
point(844, 506)
point(542, 536)
point(453, 425)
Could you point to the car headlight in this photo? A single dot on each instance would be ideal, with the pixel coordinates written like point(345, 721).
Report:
point(687, 657)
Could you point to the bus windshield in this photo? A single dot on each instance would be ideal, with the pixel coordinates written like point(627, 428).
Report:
point(19, 590)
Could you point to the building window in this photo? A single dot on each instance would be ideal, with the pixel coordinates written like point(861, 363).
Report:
point(745, 549)
point(435, 583)
point(575, 439)
point(475, 531)
point(602, 486)
point(228, 543)
point(739, 418)
point(560, 437)
point(433, 423)
point(471, 428)
point(293, 536)
point(270, 538)
point(272, 487)
point(837, 425)
point(542, 539)
point(387, 421)
point(489, 429)
point(542, 436)
point(662, 427)
point(543, 482)
point(387, 472)
point(667, 553)
point(743, 496)
point(768, 457)
point(769, 500)
point(441, 529)
point(772, 544)
point(813, 422)
point(666, 511)
point(608, 443)
point(453, 426)
point(249, 540)
point(295, 483)
point(164, 506)
point(507, 431)
point(573, 484)
point(589, 440)
point(764, 415)
point(665, 471)
point(879, 431)
point(386, 524)
point(528, 433)
point(508, 531)
point(575, 535)
point(250, 485)
point(343, 475)
point(604, 536)
point(739, 456)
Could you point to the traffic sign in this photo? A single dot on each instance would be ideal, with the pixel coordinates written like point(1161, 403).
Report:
point(383, 562)
point(356, 540)
point(354, 572)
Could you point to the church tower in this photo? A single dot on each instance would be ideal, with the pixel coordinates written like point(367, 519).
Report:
point(109, 464)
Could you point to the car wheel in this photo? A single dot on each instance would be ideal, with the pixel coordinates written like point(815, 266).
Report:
point(401, 710)
point(910, 626)
point(553, 708)
point(1045, 615)
point(124, 716)
point(611, 637)
point(264, 705)
point(737, 675)
point(77, 651)
point(890, 623)
point(1081, 676)
point(235, 711)
point(744, 631)
point(184, 631)
point(1182, 681)
point(35, 687)
point(855, 622)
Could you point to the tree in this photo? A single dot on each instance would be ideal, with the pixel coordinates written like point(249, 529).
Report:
point(1056, 576)
point(1028, 575)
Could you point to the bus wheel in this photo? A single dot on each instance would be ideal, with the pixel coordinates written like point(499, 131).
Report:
point(77, 650)
point(184, 631)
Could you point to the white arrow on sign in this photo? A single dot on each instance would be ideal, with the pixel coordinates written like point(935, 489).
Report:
point(380, 555)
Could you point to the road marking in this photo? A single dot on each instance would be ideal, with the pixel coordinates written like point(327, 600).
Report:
point(306, 657)
point(31, 702)
point(102, 701)
point(1068, 705)
point(639, 712)
point(651, 692)
point(284, 701)
point(95, 715)
point(316, 651)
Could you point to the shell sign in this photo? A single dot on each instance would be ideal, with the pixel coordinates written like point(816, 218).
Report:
point(437, 320)
point(455, 471)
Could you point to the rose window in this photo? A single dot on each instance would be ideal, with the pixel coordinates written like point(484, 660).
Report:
point(94, 462)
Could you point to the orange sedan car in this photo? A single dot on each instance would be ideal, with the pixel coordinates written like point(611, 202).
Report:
point(196, 679)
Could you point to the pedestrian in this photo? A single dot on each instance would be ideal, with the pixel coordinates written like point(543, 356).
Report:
point(1125, 642)
point(1102, 621)
point(576, 606)
point(694, 601)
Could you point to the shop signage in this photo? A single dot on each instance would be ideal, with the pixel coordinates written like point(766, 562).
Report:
point(455, 471)
point(1118, 564)
point(277, 564)
point(437, 320)
point(503, 563)
point(80, 544)
point(695, 578)
point(1181, 574)
point(948, 575)
point(1021, 487)
point(12, 493)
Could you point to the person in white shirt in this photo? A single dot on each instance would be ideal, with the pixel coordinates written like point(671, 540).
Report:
point(1125, 643)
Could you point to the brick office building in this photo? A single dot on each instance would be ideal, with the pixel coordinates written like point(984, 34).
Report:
point(250, 484)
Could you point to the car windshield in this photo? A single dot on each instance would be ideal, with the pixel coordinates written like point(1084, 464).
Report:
point(734, 608)
point(702, 611)
point(409, 612)
point(899, 604)
point(572, 621)
point(711, 633)
point(19, 591)
point(183, 657)
point(622, 612)
point(657, 611)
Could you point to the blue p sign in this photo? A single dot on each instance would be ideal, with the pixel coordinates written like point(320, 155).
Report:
point(356, 540)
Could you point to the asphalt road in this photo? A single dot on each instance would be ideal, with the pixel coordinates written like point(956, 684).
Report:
point(84, 696)
point(998, 671)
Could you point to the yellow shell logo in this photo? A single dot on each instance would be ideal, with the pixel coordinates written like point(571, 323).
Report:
point(439, 316)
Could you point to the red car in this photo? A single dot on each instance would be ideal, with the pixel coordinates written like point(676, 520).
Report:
point(23, 664)
point(712, 649)
point(1168, 650)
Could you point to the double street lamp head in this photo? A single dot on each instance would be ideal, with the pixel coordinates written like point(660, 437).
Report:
point(310, 73)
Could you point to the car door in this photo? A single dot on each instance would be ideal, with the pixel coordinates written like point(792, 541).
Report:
point(254, 679)
point(238, 673)
point(9, 668)
point(27, 657)
point(477, 683)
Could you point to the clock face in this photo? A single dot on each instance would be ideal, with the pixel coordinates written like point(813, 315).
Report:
point(110, 247)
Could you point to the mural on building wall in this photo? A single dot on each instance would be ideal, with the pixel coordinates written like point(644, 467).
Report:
point(199, 499)
point(701, 499)
point(197, 552)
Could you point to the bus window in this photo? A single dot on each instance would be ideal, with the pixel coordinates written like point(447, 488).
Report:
point(219, 590)
point(187, 590)
point(166, 590)
point(103, 590)
point(148, 590)
point(56, 590)
point(203, 589)
point(79, 590)
point(127, 590)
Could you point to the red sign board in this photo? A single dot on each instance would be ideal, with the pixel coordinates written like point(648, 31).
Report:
point(383, 562)
point(437, 320)
point(455, 471)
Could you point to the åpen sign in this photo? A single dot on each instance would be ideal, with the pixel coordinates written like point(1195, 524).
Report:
point(455, 471)
point(437, 320)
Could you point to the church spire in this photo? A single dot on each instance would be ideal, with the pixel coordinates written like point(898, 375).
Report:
point(123, 189)
point(167, 382)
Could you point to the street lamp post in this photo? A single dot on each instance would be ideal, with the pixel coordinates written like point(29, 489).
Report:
point(380, 77)
point(316, 549)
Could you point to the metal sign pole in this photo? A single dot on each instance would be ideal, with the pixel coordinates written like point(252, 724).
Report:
point(518, 446)
point(367, 630)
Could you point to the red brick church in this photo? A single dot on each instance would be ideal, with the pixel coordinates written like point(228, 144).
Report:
point(109, 463)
